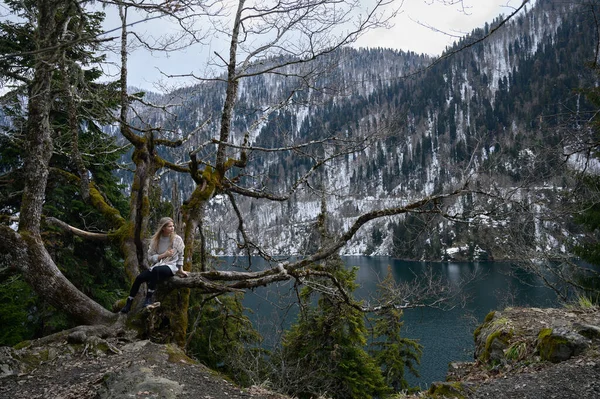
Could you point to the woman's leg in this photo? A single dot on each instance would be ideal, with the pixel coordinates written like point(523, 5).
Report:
point(158, 273)
point(144, 276)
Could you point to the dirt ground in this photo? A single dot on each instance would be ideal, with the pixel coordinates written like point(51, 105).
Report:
point(576, 378)
point(115, 370)
point(531, 377)
point(572, 379)
point(143, 370)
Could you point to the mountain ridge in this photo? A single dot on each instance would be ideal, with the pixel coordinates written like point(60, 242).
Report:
point(484, 108)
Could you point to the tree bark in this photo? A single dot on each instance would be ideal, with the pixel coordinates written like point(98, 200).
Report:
point(39, 138)
point(28, 253)
point(25, 248)
point(177, 301)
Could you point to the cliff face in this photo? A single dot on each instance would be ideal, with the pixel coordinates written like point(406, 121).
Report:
point(530, 353)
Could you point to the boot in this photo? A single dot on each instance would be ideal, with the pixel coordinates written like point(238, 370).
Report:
point(148, 301)
point(127, 306)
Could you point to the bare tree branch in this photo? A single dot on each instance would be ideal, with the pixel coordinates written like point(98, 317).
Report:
point(102, 237)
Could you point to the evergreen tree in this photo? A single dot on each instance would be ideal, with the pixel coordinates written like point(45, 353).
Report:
point(18, 311)
point(588, 247)
point(222, 337)
point(327, 344)
point(83, 152)
point(394, 353)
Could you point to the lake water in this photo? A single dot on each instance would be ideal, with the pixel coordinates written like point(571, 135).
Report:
point(446, 336)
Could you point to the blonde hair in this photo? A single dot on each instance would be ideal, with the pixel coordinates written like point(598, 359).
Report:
point(156, 237)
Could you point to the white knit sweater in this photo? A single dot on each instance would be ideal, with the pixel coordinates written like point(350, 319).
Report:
point(175, 262)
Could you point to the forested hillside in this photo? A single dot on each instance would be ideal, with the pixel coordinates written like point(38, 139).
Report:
point(502, 107)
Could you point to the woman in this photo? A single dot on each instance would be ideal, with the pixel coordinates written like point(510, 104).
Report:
point(166, 257)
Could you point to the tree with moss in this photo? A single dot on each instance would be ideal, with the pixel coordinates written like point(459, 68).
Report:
point(586, 281)
point(78, 107)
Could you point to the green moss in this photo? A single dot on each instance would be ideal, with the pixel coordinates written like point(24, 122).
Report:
point(501, 332)
point(22, 344)
point(230, 163)
point(446, 390)
point(119, 304)
point(122, 233)
point(102, 347)
point(488, 318)
point(544, 332)
point(77, 347)
point(145, 206)
point(174, 315)
point(140, 154)
point(477, 332)
point(159, 162)
point(97, 200)
point(136, 320)
point(31, 359)
point(488, 343)
point(166, 324)
point(44, 355)
point(203, 193)
point(176, 355)
point(135, 185)
point(548, 344)
point(503, 321)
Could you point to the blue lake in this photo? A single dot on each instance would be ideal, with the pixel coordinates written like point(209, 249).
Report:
point(446, 335)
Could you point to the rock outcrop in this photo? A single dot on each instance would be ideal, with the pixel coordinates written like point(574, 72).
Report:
point(115, 368)
point(529, 353)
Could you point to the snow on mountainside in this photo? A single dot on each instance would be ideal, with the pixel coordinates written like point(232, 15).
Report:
point(483, 106)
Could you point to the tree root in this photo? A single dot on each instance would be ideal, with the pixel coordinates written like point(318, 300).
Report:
point(85, 334)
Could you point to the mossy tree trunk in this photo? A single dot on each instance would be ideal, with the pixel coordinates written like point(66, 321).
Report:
point(133, 243)
point(175, 303)
point(25, 247)
point(208, 182)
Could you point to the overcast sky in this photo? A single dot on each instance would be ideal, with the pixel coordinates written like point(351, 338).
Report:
point(408, 34)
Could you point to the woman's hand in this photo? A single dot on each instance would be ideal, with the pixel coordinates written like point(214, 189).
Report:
point(167, 254)
point(182, 273)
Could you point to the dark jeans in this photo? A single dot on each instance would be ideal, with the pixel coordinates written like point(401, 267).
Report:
point(151, 277)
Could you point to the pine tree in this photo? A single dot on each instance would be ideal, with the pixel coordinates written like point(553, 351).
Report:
point(394, 353)
point(327, 343)
point(82, 152)
point(222, 336)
